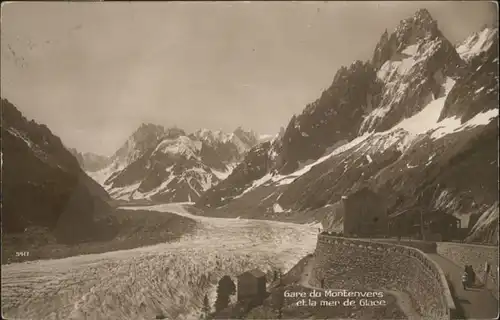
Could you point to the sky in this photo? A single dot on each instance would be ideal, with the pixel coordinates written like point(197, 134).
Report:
point(93, 72)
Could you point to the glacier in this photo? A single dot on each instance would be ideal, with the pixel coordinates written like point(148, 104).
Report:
point(169, 279)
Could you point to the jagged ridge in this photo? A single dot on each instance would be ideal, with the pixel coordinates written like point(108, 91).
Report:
point(415, 121)
point(169, 165)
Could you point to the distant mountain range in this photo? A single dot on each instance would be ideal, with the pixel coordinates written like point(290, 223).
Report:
point(89, 161)
point(418, 124)
point(168, 164)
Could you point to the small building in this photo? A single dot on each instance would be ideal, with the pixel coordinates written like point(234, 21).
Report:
point(437, 225)
point(404, 223)
point(447, 225)
point(364, 214)
point(252, 285)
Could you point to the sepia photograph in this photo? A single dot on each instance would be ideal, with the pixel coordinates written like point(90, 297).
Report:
point(191, 160)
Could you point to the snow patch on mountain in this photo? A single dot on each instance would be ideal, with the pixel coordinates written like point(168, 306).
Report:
point(453, 125)
point(411, 50)
point(213, 136)
point(242, 147)
point(102, 175)
point(241, 139)
point(427, 119)
point(22, 136)
point(37, 151)
point(403, 135)
point(266, 137)
point(477, 43)
point(136, 194)
point(180, 146)
point(402, 75)
point(257, 183)
point(224, 174)
point(277, 208)
point(278, 179)
point(285, 181)
point(204, 178)
point(341, 149)
point(123, 193)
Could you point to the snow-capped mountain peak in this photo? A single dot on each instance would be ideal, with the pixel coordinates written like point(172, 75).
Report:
point(420, 26)
point(210, 136)
point(241, 139)
point(144, 138)
point(477, 42)
point(182, 145)
point(267, 137)
point(411, 64)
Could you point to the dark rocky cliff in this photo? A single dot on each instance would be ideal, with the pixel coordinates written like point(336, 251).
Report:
point(43, 184)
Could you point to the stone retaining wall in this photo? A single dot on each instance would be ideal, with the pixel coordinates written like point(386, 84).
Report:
point(424, 246)
point(475, 255)
point(355, 264)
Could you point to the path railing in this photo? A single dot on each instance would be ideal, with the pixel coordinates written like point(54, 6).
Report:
point(429, 266)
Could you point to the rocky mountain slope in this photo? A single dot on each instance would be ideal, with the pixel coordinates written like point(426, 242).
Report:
point(169, 165)
point(477, 43)
point(227, 147)
point(418, 123)
point(44, 190)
